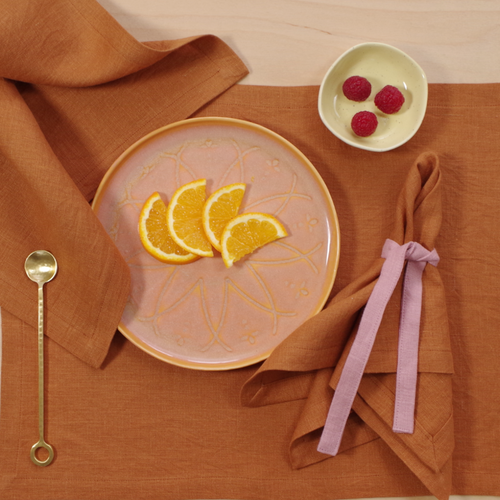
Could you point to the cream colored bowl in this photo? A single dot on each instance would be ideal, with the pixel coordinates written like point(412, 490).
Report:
point(382, 65)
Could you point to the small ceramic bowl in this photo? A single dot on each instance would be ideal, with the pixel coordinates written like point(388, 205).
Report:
point(381, 65)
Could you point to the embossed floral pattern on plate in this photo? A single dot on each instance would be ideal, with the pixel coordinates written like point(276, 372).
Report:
point(202, 315)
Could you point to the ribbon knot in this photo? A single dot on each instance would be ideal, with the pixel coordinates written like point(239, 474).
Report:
point(409, 330)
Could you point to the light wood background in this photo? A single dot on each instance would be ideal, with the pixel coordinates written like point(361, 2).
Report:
point(294, 42)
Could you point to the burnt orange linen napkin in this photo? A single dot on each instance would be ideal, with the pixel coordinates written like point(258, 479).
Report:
point(310, 361)
point(76, 90)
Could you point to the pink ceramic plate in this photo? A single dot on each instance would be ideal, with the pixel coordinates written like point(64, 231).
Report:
point(202, 315)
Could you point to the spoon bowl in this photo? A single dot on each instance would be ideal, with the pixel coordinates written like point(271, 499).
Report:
point(41, 266)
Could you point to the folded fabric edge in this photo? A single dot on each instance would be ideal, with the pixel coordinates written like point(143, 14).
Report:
point(425, 444)
point(304, 443)
point(77, 22)
point(280, 378)
point(438, 483)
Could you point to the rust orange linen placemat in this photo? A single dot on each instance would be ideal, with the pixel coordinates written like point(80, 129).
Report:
point(139, 425)
point(139, 428)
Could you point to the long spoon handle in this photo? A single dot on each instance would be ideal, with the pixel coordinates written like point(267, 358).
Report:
point(41, 410)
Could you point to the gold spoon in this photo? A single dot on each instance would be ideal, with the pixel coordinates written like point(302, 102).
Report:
point(41, 267)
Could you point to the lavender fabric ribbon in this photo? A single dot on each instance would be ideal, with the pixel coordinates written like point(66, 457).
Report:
point(409, 331)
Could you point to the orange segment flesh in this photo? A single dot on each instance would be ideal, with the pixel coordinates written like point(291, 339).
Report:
point(155, 236)
point(247, 232)
point(184, 218)
point(219, 209)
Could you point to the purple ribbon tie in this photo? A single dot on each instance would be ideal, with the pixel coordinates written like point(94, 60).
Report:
point(409, 330)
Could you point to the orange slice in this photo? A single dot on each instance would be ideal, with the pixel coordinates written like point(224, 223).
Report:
point(184, 214)
point(247, 232)
point(154, 234)
point(219, 209)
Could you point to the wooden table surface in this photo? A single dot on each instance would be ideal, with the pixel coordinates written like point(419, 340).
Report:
point(294, 42)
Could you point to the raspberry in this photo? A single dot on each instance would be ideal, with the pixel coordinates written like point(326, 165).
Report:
point(389, 100)
point(357, 88)
point(364, 123)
